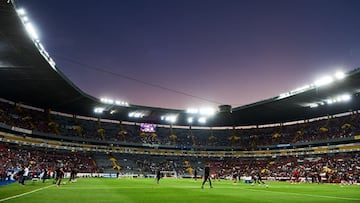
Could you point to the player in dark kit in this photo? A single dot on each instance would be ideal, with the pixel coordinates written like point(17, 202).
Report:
point(195, 174)
point(257, 179)
point(158, 176)
point(59, 176)
point(73, 175)
point(206, 177)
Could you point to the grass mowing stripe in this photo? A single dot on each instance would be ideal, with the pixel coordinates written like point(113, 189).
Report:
point(309, 195)
point(26, 193)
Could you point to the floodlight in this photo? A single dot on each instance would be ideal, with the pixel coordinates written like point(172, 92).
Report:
point(202, 120)
point(116, 102)
point(99, 110)
point(192, 111)
point(21, 11)
point(339, 75)
point(25, 19)
point(52, 62)
point(324, 81)
point(31, 30)
point(345, 97)
point(207, 111)
point(169, 118)
point(314, 105)
point(283, 95)
point(190, 119)
point(173, 119)
point(329, 101)
point(135, 114)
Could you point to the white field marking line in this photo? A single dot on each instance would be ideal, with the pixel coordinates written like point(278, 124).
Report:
point(26, 193)
point(324, 196)
point(146, 187)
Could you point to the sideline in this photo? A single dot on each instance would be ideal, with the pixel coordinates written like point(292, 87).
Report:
point(26, 193)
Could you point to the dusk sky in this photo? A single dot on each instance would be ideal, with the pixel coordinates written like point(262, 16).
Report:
point(195, 53)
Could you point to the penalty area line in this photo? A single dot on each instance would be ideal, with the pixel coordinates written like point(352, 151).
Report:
point(23, 194)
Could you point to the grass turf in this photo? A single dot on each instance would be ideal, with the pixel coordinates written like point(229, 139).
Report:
point(87, 190)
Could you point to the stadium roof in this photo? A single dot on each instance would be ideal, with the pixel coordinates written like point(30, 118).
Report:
point(28, 75)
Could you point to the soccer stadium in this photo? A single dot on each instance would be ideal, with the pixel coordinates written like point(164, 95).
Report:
point(59, 144)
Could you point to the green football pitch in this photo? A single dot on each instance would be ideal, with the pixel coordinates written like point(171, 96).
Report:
point(87, 190)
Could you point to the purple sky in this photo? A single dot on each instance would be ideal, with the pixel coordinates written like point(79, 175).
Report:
point(195, 53)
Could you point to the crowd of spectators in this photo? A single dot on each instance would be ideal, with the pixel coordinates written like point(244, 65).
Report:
point(333, 168)
point(246, 139)
point(14, 157)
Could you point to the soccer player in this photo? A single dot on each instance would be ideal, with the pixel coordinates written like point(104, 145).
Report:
point(195, 174)
point(306, 177)
point(43, 174)
point(73, 175)
point(234, 175)
point(59, 175)
point(259, 179)
point(24, 175)
point(20, 175)
point(206, 176)
point(158, 176)
point(296, 177)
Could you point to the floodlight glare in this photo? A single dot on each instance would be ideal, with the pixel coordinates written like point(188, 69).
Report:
point(21, 11)
point(99, 110)
point(314, 105)
point(202, 120)
point(136, 114)
point(190, 120)
point(169, 118)
point(52, 62)
point(25, 19)
point(207, 111)
point(31, 30)
point(339, 75)
point(345, 97)
point(329, 101)
point(116, 102)
point(192, 111)
point(324, 81)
